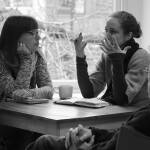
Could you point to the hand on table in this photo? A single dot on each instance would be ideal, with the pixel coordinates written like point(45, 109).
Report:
point(20, 94)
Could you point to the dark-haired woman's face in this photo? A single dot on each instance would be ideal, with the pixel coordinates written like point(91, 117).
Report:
point(31, 40)
point(114, 28)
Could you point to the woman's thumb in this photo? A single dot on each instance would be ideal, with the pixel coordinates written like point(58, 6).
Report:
point(126, 49)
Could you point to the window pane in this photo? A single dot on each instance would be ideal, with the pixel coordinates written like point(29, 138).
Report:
point(61, 21)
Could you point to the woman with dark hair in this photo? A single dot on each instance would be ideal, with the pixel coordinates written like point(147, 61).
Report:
point(22, 66)
point(122, 66)
point(22, 70)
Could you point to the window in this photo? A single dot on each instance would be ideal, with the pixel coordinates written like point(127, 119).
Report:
point(66, 3)
point(62, 21)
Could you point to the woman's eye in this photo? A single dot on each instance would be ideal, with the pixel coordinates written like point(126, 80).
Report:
point(110, 31)
point(106, 30)
point(113, 32)
point(31, 33)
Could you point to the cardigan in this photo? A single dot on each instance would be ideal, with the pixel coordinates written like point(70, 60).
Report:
point(31, 72)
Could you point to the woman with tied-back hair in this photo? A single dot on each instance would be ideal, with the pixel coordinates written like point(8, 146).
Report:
point(122, 66)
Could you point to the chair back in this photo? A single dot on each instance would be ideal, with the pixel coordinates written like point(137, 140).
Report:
point(131, 139)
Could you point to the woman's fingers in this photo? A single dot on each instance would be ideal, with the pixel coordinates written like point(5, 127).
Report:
point(74, 137)
point(87, 145)
point(108, 39)
point(83, 44)
point(68, 138)
point(109, 36)
point(108, 44)
point(71, 137)
point(91, 142)
point(78, 39)
point(105, 44)
point(115, 42)
point(79, 46)
point(80, 128)
point(112, 42)
point(67, 142)
point(126, 49)
point(22, 48)
point(104, 49)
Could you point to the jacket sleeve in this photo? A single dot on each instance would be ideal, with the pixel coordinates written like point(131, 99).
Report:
point(43, 77)
point(90, 85)
point(8, 84)
point(119, 85)
point(83, 78)
point(137, 73)
point(140, 120)
point(98, 78)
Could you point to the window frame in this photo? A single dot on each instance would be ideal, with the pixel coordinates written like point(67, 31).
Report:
point(118, 5)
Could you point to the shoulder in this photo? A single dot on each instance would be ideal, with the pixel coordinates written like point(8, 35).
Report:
point(141, 56)
point(141, 52)
point(2, 60)
point(2, 64)
point(40, 59)
point(40, 55)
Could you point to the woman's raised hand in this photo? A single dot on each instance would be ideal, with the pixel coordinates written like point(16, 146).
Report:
point(110, 45)
point(22, 49)
point(79, 46)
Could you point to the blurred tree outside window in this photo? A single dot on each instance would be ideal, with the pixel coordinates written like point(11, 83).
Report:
point(61, 21)
point(67, 3)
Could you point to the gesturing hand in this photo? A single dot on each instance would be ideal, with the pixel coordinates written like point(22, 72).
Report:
point(79, 45)
point(22, 49)
point(110, 45)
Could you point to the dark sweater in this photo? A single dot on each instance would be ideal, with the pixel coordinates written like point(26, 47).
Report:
point(107, 139)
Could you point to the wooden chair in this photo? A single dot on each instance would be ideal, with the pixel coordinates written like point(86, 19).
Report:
point(131, 139)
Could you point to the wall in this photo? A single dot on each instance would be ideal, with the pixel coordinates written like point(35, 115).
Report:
point(141, 10)
point(133, 6)
point(146, 24)
point(136, 8)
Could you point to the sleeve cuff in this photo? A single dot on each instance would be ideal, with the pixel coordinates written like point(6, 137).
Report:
point(93, 130)
point(80, 59)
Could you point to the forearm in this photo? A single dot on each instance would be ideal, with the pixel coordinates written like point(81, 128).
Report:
point(43, 92)
point(24, 75)
point(119, 85)
point(83, 78)
point(9, 84)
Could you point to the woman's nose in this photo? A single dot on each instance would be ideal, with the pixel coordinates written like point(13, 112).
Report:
point(37, 37)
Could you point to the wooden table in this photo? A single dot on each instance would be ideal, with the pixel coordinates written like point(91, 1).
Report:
point(56, 119)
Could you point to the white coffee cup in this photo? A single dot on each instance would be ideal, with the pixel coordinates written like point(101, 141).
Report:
point(65, 91)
